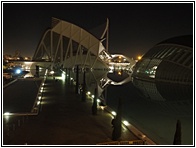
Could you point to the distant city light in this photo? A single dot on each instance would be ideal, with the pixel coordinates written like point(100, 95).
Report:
point(119, 73)
point(143, 136)
point(139, 57)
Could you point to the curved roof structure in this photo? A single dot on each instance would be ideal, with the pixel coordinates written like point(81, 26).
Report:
point(165, 72)
point(67, 45)
point(185, 40)
point(79, 35)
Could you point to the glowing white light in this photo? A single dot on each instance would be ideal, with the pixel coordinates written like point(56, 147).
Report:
point(71, 78)
point(93, 96)
point(39, 98)
point(111, 67)
point(113, 113)
point(102, 107)
point(88, 92)
point(63, 76)
point(51, 72)
point(46, 72)
point(112, 82)
point(18, 71)
point(98, 100)
point(38, 102)
point(126, 123)
point(6, 113)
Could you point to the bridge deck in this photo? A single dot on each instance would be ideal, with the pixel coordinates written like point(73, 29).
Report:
point(63, 120)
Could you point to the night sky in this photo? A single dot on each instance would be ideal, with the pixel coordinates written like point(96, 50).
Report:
point(134, 27)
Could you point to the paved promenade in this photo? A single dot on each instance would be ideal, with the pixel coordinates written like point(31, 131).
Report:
point(63, 119)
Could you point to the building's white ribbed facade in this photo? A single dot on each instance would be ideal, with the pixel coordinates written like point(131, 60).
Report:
point(165, 72)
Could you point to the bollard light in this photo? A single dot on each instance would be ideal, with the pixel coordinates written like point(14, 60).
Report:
point(113, 113)
point(52, 72)
point(126, 123)
point(38, 102)
point(6, 113)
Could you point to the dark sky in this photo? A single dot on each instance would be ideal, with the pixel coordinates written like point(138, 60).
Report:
point(134, 27)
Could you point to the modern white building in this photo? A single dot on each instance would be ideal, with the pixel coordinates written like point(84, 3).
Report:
point(165, 72)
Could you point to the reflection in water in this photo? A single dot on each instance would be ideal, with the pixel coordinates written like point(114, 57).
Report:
point(101, 79)
point(155, 119)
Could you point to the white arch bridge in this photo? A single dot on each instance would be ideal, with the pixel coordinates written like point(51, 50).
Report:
point(66, 45)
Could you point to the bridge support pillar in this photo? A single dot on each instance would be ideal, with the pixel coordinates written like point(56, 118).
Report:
point(37, 71)
point(84, 87)
point(77, 78)
point(66, 75)
point(69, 76)
point(94, 106)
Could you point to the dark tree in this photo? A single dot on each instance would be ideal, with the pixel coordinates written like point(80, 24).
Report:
point(116, 134)
point(177, 136)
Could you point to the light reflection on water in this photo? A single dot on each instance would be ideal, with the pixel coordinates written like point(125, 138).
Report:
point(154, 118)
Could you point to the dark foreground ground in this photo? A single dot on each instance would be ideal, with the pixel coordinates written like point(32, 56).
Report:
point(63, 119)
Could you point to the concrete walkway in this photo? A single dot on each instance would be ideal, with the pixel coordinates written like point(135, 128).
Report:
point(64, 120)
